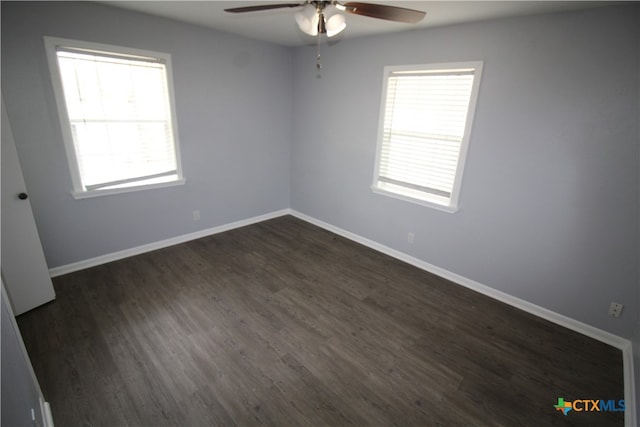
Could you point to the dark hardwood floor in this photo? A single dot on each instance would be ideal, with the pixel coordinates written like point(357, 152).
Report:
point(285, 324)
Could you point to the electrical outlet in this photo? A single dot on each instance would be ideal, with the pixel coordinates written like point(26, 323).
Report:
point(196, 215)
point(410, 237)
point(615, 309)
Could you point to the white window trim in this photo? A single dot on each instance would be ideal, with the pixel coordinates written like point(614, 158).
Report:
point(51, 45)
point(464, 145)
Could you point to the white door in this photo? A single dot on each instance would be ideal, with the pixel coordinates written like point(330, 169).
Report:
point(24, 268)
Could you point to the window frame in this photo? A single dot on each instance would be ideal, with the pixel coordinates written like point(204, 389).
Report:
point(453, 205)
point(79, 191)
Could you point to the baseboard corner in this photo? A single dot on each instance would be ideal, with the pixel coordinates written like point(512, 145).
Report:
point(125, 253)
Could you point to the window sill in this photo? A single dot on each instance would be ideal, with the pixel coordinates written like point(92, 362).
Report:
point(444, 208)
point(78, 195)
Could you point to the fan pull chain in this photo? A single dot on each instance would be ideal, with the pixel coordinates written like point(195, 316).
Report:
point(318, 64)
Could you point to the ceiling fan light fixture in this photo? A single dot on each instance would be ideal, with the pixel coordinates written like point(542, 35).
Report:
point(335, 25)
point(307, 20)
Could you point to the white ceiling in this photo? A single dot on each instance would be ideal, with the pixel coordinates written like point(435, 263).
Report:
point(278, 26)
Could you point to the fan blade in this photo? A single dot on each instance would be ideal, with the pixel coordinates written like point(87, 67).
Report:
point(262, 7)
point(390, 13)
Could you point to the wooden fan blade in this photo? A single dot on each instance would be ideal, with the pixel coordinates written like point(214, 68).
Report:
point(262, 7)
point(390, 13)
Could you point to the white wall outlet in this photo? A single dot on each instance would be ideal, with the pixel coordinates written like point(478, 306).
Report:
point(410, 238)
point(615, 309)
point(196, 215)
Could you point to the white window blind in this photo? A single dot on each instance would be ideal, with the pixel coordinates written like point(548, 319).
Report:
point(118, 108)
point(424, 126)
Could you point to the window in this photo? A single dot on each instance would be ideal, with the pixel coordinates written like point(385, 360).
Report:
point(425, 122)
point(117, 116)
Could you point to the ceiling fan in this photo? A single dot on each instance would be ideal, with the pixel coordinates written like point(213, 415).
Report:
point(312, 18)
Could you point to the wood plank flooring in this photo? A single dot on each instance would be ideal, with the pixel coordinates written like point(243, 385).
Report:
point(285, 324)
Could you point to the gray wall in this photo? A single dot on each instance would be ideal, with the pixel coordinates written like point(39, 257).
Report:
point(233, 101)
point(549, 199)
point(549, 202)
point(636, 344)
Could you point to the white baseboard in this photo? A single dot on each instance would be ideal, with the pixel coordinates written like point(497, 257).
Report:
point(47, 418)
point(114, 256)
point(630, 414)
point(606, 337)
